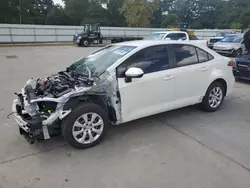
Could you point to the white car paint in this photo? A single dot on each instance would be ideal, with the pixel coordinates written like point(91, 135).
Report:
point(166, 35)
point(170, 89)
point(139, 93)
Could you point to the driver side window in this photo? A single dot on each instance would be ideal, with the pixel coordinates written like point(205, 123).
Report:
point(151, 59)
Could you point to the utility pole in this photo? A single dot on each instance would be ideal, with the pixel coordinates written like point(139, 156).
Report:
point(20, 11)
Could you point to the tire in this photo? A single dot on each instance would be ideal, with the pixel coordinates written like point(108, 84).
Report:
point(76, 123)
point(210, 103)
point(237, 53)
point(85, 42)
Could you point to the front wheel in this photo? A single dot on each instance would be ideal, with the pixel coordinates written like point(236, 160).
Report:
point(86, 126)
point(237, 53)
point(85, 42)
point(214, 97)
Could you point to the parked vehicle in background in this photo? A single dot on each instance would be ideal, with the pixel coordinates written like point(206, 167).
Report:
point(212, 40)
point(241, 67)
point(175, 35)
point(92, 35)
point(231, 45)
point(120, 83)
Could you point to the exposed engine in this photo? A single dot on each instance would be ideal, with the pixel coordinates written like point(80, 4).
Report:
point(59, 84)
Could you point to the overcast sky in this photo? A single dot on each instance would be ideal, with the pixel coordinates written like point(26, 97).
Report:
point(58, 1)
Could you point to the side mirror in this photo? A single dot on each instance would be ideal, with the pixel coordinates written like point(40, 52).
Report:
point(133, 72)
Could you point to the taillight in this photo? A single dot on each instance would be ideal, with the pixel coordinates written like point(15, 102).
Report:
point(230, 63)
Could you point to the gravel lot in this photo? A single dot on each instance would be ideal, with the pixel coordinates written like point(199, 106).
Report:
point(183, 148)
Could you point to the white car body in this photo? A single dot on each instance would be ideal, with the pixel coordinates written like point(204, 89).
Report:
point(131, 91)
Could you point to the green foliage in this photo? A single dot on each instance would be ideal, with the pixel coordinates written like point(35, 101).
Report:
point(137, 13)
point(57, 16)
point(199, 14)
point(170, 20)
point(235, 25)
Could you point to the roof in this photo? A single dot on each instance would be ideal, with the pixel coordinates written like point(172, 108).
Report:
point(237, 34)
point(146, 43)
point(169, 31)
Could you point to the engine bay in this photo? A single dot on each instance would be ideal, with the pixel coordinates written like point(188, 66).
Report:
point(59, 84)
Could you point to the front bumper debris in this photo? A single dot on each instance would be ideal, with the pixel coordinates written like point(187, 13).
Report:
point(30, 127)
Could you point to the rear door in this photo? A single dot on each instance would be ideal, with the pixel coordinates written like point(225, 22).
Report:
point(192, 70)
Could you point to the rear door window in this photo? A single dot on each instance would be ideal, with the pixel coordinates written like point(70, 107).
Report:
point(185, 55)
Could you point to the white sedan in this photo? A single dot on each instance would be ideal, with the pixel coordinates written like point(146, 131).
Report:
point(120, 83)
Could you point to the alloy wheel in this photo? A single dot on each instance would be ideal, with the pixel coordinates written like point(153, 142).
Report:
point(88, 128)
point(215, 97)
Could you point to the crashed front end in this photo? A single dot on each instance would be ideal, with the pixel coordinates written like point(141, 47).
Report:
point(40, 106)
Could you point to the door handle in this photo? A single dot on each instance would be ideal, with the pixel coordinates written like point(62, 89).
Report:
point(204, 69)
point(169, 77)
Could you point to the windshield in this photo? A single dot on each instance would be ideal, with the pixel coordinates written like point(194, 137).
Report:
point(232, 39)
point(156, 36)
point(220, 34)
point(98, 62)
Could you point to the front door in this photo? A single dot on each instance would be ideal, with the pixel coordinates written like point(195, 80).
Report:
point(152, 93)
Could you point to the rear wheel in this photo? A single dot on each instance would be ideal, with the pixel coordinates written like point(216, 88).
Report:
point(86, 126)
point(214, 97)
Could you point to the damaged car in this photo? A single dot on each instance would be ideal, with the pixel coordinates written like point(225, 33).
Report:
point(231, 45)
point(120, 83)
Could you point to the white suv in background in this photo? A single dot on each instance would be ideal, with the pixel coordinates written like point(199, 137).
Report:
point(120, 83)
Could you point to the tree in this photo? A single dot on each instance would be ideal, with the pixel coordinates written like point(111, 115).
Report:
point(96, 13)
point(170, 20)
point(57, 16)
point(137, 13)
point(76, 9)
point(113, 13)
point(157, 16)
point(235, 25)
point(9, 11)
point(167, 5)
